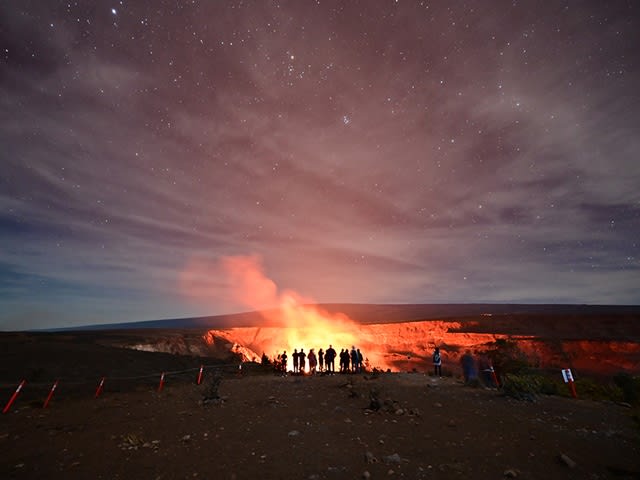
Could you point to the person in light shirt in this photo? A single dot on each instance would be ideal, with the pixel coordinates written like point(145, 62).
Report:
point(437, 362)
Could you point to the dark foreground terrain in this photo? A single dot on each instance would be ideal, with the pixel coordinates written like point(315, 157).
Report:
point(262, 425)
point(325, 427)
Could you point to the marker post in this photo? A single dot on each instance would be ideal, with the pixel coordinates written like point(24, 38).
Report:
point(161, 383)
point(53, 389)
point(13, 397)
point(100, 387)
point(568, 378)
point(199, 380)
point(494, 377)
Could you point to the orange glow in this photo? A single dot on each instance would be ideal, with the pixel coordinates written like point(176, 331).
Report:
point(293, 322)
point(290, 321)
point(395, 346)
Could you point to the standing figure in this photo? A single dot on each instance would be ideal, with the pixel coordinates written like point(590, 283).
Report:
point(345, 360)
point(321, 359)
point(330, 356)
point(354, 359)
point(360, 360)
point(437, 362)
point(312, 362)
point(296, 356)
point(469, 367)
point(283, 359)
point(302, 360)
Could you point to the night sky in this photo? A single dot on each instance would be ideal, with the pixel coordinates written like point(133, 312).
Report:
point(360, 151)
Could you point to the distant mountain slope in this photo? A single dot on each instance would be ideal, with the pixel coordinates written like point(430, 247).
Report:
point(375, 313)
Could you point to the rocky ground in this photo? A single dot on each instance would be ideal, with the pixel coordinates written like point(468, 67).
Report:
point(326, 427)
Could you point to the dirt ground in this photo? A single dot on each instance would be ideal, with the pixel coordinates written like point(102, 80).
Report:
point(268, 426)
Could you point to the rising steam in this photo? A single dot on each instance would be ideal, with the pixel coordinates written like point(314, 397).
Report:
point(289, 320)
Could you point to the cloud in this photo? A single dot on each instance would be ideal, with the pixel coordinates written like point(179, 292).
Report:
point(366, 155)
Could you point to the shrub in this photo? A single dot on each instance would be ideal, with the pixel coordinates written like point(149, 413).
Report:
point(506, 357)
point(630, 387)
point(527, 386)
point(594, 390)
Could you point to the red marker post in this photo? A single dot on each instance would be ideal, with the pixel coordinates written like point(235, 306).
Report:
point(494, 377)
point(53, 389)
point(568, 378)
point(100, 387)
point(199, 380)
point(161, 383)
point(13, 397)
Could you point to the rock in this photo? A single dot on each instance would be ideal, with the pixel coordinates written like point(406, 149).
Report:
point(390, 472)
point(370, 458)
point(393, 459)
point(375, 403)
point(510, 473)
point(366, 475)
point(294, 433)
point(457, 467)
point(399, 411)
point(568, 461)
point(186, 438)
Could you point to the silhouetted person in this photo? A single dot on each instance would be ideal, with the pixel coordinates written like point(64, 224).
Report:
point(313, 361)
point(321, 359)
point(437, 363)
point(302, 359)
point(354, 359)
point(296, 357)
point(485, 370)
point(330, 357)
point(345, 360)
point(468, 367)
point(360, 360)
point(283, 360)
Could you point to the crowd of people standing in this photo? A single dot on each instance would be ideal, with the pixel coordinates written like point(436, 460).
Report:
point(350, 361)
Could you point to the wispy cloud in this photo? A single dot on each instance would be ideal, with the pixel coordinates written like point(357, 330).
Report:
point(397, 154)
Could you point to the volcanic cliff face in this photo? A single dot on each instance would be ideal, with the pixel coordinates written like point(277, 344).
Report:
point(601, 341)
point(409, 345)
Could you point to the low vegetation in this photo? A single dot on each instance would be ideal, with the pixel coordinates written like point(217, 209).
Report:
point(520, 379)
